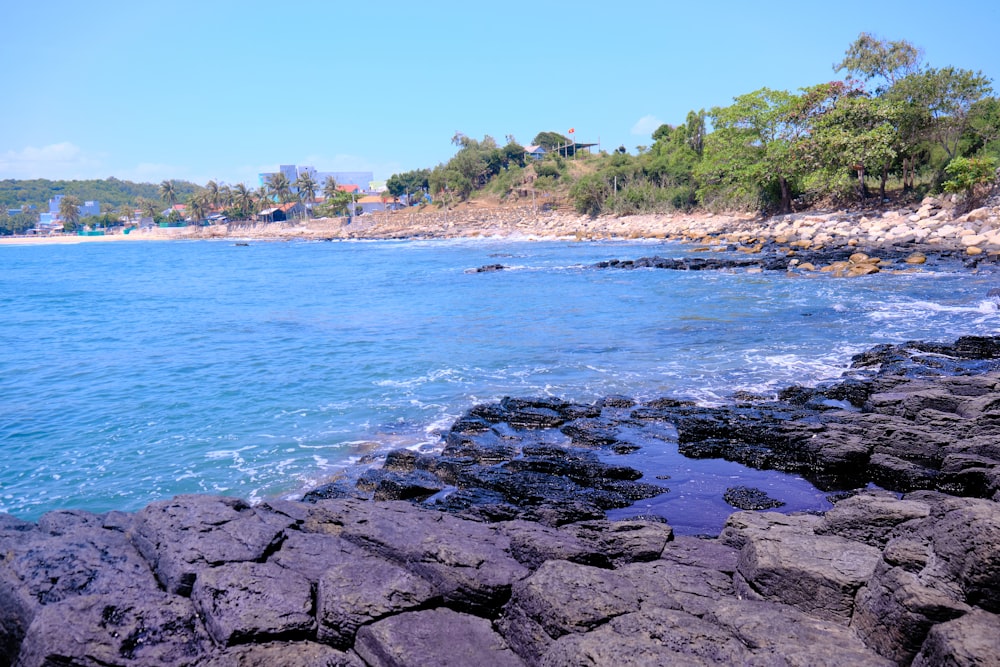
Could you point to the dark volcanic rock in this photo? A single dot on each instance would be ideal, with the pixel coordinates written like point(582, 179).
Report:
point(468, 563)
point(115, 629)
point(524, 568)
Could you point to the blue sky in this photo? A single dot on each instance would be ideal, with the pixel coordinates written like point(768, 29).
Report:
point(218, 89)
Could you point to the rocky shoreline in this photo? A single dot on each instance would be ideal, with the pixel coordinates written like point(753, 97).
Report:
point(932, 225)
point(498, 552)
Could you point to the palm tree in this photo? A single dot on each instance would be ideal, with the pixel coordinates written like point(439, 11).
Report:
point(279, 185)
point(199, 205)
point(168, 192)
point(330, 187)
point(307, 190)
point(148, 207)
point(264, 200)
point(213, 193)
point(69, 211)
point(225, 196)
point(127, 212)
point(243, 200)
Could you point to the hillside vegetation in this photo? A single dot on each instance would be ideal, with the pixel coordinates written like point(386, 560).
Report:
point(893, 126)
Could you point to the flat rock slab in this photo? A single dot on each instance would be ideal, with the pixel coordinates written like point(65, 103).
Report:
point(654, 636)
point(468, 563)
point(254, 602)
point(439, 637)
point(361, 590)
point(182, 536)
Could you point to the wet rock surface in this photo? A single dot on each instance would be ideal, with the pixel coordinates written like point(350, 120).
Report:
point(498, 551)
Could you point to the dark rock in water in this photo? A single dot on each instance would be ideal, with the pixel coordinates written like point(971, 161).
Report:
point(330, 491)
point(618, 402)
point(748, 498)
point(391, 485)
point(487, 268)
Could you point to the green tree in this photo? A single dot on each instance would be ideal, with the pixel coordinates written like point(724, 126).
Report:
point(858, 134)
point(126, 213)
point(199, 206)
point(877, 59)
point(589, 194)
point(750, 157)
point(337, 203)
point(214, 194)
point(982, 134)
point(409, 183)
point(225, 196)
point(971, 177)
point(948, 95)
point(554, 143)
point(264, 198)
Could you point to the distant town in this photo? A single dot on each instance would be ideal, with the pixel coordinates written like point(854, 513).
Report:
point(280, 196)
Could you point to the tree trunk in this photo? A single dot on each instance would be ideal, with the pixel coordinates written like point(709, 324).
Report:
point(862, 188)
point(786, 195)
point(881, 185)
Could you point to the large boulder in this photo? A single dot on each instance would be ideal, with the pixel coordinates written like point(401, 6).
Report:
point(818, 574)
point(254, 602)
point(968, 641)
point(781, 635)
point(97, 630)
point(68, 554)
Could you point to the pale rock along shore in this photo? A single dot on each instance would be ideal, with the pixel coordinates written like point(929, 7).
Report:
point(933, 225)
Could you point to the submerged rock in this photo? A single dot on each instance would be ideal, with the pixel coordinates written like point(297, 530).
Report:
point(746, 498)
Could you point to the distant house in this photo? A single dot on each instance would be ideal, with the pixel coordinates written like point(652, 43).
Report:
point(349, 187)
point(372, 203)
point(281, 213)
point(535, 152)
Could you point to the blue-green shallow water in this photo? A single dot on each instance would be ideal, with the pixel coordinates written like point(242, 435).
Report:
point(136, 371)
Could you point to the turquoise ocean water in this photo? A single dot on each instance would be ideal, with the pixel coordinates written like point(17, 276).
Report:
point(132, 372)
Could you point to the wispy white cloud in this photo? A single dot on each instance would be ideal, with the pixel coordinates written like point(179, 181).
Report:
point(646, 125)
point(152, 172)
point(56, 161)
